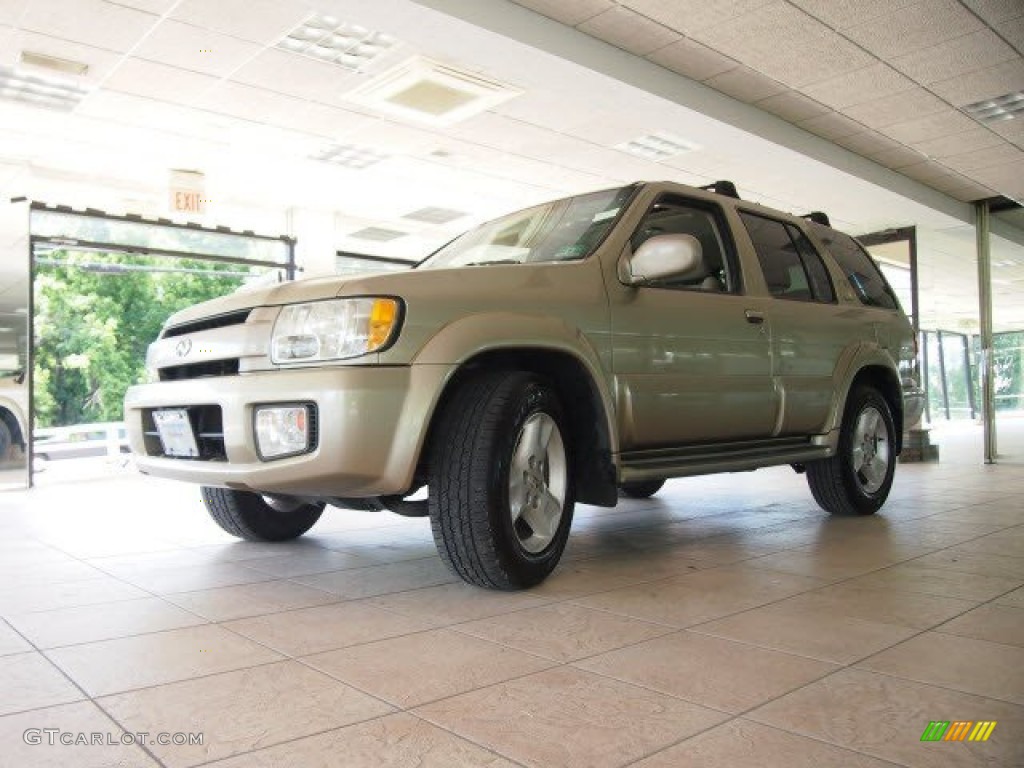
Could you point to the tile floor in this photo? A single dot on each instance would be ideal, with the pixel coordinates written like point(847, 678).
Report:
point(727, 622)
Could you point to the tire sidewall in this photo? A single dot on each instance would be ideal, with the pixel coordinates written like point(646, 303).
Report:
point(527, 568)
point(865, 502)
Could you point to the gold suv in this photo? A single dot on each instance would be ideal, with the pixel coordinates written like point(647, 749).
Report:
point(574, 351)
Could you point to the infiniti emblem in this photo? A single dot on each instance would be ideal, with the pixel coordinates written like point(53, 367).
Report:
point(183, 347)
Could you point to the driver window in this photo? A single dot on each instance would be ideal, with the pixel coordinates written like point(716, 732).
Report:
point(672, 217)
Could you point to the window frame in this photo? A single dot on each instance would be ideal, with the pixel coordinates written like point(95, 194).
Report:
point(730, 253)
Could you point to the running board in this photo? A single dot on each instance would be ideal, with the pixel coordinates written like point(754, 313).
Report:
point(636, 466)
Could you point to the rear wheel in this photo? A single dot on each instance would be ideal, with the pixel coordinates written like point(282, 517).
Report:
point(857, 480)
point(641, 490)
point(501, 496)
point(250, 516)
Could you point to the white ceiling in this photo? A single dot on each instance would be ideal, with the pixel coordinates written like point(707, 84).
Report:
point(197, 84)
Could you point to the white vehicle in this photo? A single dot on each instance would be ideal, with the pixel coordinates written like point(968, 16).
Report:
point(13, 412)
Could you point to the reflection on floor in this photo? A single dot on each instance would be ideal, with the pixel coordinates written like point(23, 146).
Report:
point(727, 622)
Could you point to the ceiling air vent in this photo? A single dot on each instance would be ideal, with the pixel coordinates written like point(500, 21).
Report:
point(435, 215)
point(349, 156)
point(53, 63)
point(996, 110)
point(430, 92)
point(377, 234)
point(328, 38)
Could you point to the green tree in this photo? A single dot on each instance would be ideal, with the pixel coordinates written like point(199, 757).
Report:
point(92, 327)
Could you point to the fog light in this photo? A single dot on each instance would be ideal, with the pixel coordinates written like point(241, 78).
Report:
point(283, 430)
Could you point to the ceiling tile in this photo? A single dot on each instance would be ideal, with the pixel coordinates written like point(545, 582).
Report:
point(688, 16)
point(793, 106)
point(322, 120)
point(861, 85)
point(630, 31)
point(983, 84)
point(995, 11)
point(968, 53)
point(691, 59)
point(571, 12)
point(159, 81)
point(258, 105)
point(959, 143)
point(200, 50)
point(261, 21)
point(930, 127)
point(745, 84)
point(11, 11)
point(1013, 31)
point(929, 171)
point(841, 14)
point(898, 157)
point(1010, 129)
point(158, 7)
point(914, 27)
point(832, 126)
point(1000, 155)
point(868, 143)
point(896, 108)
point(91, 22)
point(1000, 176)
point(786, 44)
point(296, 75)
point(101, 62)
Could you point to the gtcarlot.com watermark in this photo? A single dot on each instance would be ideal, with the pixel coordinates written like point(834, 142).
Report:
point(55, 736)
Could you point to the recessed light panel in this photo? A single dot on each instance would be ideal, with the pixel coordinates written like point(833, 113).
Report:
point(377, 234)
point(350, 156)
point(657, 146)
point(328, 38)
point(40, 90)
point(435, 215)
point(998, 109)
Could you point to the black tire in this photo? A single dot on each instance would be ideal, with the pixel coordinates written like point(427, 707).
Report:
point(248, 516)
point(642, 489)
point(837, 484)
point(476, 443)
point(5, 440)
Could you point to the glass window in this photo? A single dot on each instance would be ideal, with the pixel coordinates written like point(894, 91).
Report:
point(821, 284)
point(670, 216)
point(563, 230)
point(863, 274)
point(781, 264)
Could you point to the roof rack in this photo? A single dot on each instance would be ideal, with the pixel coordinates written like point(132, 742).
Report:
point(818, 217)
point(726, 188)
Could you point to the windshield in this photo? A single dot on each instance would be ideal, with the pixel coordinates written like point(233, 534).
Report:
point(563, 230)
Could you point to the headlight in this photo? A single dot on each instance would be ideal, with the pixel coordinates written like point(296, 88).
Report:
point(332, 330)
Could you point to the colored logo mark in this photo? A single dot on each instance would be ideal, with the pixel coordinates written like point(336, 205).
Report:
point(958, 730)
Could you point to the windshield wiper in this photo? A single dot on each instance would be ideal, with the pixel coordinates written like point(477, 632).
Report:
point(488, 263)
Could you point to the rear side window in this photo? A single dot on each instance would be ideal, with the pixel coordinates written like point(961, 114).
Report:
point(863, 274)
point(792, 269)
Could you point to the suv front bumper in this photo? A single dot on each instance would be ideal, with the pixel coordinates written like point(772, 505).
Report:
point(372, 422)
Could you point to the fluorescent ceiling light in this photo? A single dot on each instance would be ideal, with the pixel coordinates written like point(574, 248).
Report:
point(995, 110)
point(657, 146)
point(430, 92)
point(44, 61)
point(40, 90)
point(350, 156)
point(378, 234)
point(329, 39)
point(435, 215)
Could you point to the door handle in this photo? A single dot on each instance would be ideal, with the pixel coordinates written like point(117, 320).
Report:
point(754, 317)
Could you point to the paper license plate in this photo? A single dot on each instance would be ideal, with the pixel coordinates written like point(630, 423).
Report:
point(176, 433)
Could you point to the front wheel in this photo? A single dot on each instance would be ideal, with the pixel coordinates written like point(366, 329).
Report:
point(249, 516)
point(501, 495)
point(857, 480)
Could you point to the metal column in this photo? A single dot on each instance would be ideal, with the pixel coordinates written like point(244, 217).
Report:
point(924, 377)
point(942, 375)
point(969, 375)
point(985, 363)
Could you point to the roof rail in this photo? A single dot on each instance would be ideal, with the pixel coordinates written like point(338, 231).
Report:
point(818, 217)
point(726, 188)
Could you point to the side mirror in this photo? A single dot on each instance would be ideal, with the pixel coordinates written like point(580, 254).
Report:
point(666, 257)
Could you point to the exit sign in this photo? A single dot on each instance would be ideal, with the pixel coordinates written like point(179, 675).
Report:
point(188, 193)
